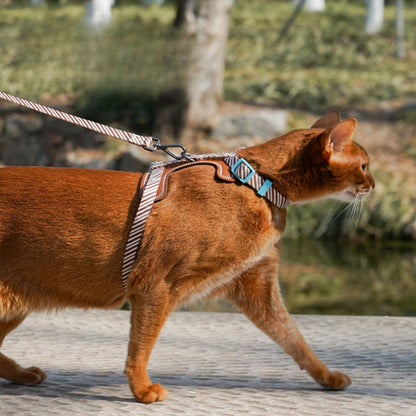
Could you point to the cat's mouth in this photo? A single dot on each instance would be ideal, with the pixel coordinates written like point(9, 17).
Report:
point(353, 195)
point(361, 194)
point(365, 193)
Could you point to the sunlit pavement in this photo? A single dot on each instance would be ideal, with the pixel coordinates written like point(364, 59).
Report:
point(212, 364)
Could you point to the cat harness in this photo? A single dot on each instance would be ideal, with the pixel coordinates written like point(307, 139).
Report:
point(154, 186)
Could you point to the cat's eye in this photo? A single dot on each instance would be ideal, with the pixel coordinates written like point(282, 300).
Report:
point(364, 167)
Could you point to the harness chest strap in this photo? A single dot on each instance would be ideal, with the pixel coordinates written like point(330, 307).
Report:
point(229, 167)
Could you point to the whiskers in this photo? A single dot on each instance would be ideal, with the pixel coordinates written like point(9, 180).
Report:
point(354, 210)
point(351, 215)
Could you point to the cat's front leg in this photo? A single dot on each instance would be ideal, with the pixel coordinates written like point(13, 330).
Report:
point(256, 293)
point(148, 314)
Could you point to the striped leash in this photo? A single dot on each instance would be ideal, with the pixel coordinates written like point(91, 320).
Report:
point(149, 143)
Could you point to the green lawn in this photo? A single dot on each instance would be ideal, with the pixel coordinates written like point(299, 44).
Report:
point(325, 61)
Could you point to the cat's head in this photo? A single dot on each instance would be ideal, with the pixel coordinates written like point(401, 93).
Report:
point(320, 162)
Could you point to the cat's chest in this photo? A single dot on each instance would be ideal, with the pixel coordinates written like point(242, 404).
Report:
point(219, 278)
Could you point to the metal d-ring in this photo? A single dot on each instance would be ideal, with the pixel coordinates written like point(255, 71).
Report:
point(165, 148)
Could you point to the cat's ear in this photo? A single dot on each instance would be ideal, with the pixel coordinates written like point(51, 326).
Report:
point(327, 120)
point(334, 139)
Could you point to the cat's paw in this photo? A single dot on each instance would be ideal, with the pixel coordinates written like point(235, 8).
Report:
point(336, 381)
point(32, 375)
point(150, 394)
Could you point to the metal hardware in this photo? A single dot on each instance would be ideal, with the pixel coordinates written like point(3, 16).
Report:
point(155, 144)
point(250, 173)
point(165, 148)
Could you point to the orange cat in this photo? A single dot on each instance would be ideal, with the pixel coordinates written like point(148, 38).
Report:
point(63, 234)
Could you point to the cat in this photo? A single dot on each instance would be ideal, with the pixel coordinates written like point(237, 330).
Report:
point(63, 232)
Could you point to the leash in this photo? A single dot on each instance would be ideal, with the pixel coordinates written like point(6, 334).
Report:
point(148, 143)
point(241, 170)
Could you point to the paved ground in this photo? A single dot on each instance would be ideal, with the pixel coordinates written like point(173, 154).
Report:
point(213, 364)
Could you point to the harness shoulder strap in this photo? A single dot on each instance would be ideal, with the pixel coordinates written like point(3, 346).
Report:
point(136, 231)
point(222, 171)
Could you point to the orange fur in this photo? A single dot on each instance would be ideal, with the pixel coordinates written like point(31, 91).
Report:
point(63, 233)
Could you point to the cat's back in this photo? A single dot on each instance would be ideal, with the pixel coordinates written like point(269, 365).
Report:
point(58, 199)
point(66, 226)
point(16, 179)
point(48, 186)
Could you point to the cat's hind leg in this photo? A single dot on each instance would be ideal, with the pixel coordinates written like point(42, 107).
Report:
point(256, 293)
point(9, 369)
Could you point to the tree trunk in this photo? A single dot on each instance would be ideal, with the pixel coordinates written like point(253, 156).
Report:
point(312, 5)
point(375, 15)
point(205, 23)
point(98, 12)
point(401, 52)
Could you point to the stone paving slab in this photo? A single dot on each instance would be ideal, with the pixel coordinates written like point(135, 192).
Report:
point(213, 364)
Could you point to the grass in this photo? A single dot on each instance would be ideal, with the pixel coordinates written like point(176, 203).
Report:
point(49, 51)
point(326, 60)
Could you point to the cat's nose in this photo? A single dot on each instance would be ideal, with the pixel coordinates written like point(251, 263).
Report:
point(372, 182)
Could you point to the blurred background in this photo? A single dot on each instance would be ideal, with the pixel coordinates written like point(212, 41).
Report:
point(217, 75)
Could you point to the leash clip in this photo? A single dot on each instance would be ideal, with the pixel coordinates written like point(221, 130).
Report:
point(166, 148)
point(157, 145)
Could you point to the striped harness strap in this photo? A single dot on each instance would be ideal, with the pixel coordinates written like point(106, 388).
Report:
point(137, 228)
point(241, 170)
point(247, 175)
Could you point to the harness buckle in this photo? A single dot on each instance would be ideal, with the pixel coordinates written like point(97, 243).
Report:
point(247, 165)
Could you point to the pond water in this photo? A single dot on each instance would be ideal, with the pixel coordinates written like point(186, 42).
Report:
point(349, 278)
point(344, 278)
